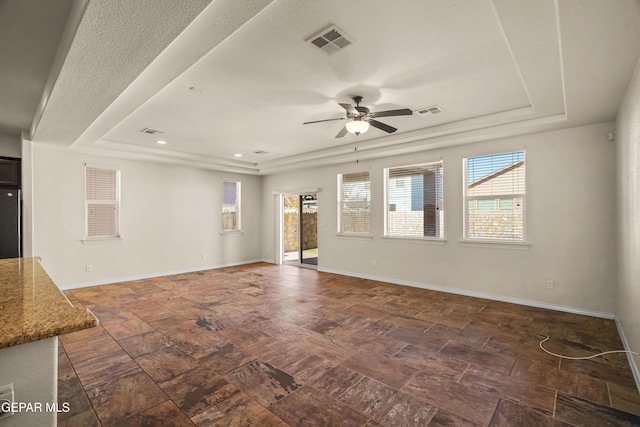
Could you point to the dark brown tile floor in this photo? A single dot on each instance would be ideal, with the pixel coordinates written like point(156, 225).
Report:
point(265, 345)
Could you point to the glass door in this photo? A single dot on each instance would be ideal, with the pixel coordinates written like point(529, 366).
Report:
point(300, 229)
point(309, 229)
point(290, 229)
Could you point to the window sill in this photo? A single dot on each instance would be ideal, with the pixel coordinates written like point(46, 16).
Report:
point(355, 236)
point(101, 240)
point(232, 233)
point(417, 240)
point(496, 244)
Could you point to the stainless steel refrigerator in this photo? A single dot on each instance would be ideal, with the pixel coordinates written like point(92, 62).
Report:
point(10, 239)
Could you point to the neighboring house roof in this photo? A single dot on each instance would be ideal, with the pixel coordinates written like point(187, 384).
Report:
point(497, 173)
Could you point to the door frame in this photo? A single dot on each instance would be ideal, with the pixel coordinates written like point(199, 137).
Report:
point(278, 200)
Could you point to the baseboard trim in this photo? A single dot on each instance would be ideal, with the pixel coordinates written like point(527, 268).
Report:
point(632, 361)
point(152, 275)
point(475, 294)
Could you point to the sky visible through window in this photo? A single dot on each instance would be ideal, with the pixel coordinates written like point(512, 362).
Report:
point(230, 192)
point(477, 167)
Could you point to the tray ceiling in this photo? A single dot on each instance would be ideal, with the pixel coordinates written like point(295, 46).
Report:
point(223, 78)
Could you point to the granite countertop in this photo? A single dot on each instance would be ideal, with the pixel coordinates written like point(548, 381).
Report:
point(32, 307)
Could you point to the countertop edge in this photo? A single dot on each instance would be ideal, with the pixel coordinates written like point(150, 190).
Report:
point(35, 307)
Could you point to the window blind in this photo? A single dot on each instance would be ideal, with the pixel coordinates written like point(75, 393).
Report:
point(230, 205)
point(414, 201)
point(354, 203)
point(102, 200)
point(495, 196)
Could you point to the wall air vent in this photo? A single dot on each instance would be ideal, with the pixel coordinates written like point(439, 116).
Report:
point(151, 131)
point(429, 111)
point(331, 40)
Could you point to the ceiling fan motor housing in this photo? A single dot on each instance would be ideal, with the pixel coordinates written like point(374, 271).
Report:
point(363, 111)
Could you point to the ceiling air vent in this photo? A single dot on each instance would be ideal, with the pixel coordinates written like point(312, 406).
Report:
point(260, 152)
point(151, 131)
point(429, 111)
point(331, 40)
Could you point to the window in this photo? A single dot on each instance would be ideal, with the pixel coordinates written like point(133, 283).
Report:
point(414, 201)
point(230, 205)
point(494, 197)
point(354, 203)
point(102, 202)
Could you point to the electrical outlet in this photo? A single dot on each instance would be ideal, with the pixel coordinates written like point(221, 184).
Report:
point(201, 255)
point(6, 400)
point(88, 268)
point(549, 284)
point(374, 263)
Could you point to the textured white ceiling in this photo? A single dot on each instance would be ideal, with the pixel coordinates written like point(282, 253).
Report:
point(227, 77)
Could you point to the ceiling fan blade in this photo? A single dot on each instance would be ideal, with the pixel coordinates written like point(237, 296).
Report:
point(382, 126)
point(400, 112)
point(350, 108)
point(342, 133)
point(326, 120)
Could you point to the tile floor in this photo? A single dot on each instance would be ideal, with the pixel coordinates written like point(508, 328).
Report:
point(265, 345)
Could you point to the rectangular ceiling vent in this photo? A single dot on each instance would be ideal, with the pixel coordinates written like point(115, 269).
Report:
point(260, 152)
point(331, 40)
point(429, 111)
point(151, 131)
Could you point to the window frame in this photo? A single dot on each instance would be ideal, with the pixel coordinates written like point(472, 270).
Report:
point(440, 221)
point(238, 207)
point(496, 198)
point(341, 201)
point(117, 203)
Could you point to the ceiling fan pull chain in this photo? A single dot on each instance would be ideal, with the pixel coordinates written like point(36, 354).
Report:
point(355, 148)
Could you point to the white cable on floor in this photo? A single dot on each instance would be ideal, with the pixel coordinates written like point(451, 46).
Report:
point(584, 357)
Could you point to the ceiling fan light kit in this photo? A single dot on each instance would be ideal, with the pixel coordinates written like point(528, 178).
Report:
point(357, 126)
point(360, 118)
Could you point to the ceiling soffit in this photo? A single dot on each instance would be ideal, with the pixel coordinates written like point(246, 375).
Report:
point(26, 54)
point(113, 52)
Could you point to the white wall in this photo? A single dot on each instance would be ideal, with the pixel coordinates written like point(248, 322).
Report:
point(33, 370)
point(628, 191)
point(10, 145)
point(170, 216)
point(26, 167)
point(570, 223)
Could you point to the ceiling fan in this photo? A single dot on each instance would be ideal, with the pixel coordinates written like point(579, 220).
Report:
point(360, 118)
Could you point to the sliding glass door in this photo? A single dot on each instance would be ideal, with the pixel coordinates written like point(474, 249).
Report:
point(309, 229)
point(300, 229)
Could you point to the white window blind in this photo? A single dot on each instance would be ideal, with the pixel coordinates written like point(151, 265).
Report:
point(230, 205)
point(102, 202)
point(495, 197)
point(414, 201)
point(354, 203)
